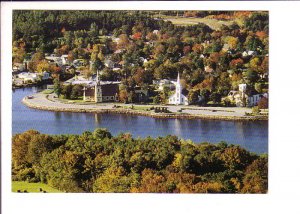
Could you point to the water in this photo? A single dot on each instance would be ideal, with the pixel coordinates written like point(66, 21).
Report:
point(252, 135)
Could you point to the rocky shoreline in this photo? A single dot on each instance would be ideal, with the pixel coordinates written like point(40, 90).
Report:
point(144, 113)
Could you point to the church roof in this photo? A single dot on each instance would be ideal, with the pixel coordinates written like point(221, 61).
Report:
point(109, 89)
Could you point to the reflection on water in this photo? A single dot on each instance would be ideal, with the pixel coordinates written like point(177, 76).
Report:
point(250, 135)
point(98, 119)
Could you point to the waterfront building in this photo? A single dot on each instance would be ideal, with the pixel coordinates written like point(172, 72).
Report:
point(98, 91)
point(242, 99)
point(28, 77)
point(178, 98)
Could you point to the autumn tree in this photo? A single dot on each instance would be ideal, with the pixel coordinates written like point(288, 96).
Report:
point(256, 178)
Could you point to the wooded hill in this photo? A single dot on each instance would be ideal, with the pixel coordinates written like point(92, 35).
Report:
point(99, 162)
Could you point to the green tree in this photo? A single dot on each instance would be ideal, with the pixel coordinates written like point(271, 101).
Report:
point(57, 87)
point(101, 133)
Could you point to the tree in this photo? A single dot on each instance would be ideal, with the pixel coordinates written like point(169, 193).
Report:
point(236, 158)
point(77, 91)
point(256, 177)
point(97, 65)
point(204, 93)
point(67, 90)
point(57, 87)
point(255, 63)
point(123, 41)
point(215, 97)
point(251, 76)
point(263, 103)
point(101, 133)
point(232, 42)
point(123, 96)
point(193, 96)
point(42, 66)
point(236, 63)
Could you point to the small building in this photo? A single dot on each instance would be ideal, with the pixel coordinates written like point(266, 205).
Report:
point(45, 75)
point(178, 98)
point(54, 59)
point(155, 32)
point(109, 63)
point(18, 67)
point(208, 69)
point(28, 77)
point(64, 59)
point(78, 62)
point(142, 94)
point(249, 53)
point(164, 83)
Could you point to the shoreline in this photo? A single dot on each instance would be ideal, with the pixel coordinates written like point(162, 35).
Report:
point(96, 109)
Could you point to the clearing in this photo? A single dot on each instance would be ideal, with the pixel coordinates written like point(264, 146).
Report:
point(212, 23)
point(31, 187)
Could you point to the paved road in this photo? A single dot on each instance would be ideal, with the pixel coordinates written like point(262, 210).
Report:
point(40, 99)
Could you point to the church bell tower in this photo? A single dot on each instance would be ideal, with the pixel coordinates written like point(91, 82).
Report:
point(98, 91)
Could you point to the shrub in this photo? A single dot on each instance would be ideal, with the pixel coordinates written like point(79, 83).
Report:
point(263, 103)
point(255, 110)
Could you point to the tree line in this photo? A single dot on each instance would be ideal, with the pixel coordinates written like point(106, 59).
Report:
point(99, 162)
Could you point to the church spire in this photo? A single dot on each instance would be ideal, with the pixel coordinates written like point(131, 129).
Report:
point(98, 78)
point(178, 79)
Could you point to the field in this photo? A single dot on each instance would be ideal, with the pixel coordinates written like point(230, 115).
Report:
point(212, 23)
point(31, 187)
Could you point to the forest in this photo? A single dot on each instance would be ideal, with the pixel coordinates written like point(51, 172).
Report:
point(146, 47)
point(99, 162)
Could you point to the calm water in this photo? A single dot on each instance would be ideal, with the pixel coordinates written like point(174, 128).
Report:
point(250, 135)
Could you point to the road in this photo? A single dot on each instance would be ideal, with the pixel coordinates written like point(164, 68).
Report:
point(42, 100)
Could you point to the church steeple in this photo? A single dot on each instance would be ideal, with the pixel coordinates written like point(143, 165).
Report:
point(98, 78)
point(98, 91)
point(178, 79)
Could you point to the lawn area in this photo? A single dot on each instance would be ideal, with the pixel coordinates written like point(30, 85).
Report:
point(212, 23)
point(79, 100)
point(48, 91)
point(31, 187)
point(137, 107)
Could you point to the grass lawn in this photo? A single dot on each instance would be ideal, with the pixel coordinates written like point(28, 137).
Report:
point(48, 91)
point(137, 107)
point(212, 23)
point(79, 100)
point(31, 187)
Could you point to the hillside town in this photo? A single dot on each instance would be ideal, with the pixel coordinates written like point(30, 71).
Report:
point(158, 63)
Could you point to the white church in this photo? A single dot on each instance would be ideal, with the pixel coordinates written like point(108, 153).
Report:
point(178, 98)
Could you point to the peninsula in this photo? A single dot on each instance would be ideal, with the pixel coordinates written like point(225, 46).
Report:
point(51, 103)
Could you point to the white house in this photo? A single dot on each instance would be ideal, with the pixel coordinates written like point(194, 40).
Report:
point(155, 31)
point(109, 63)
point(26, 76)
point(248, 53)
point(241, 98)
point(164, 83)
point(178, 98)
point(18, 67)
point(64, 59)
